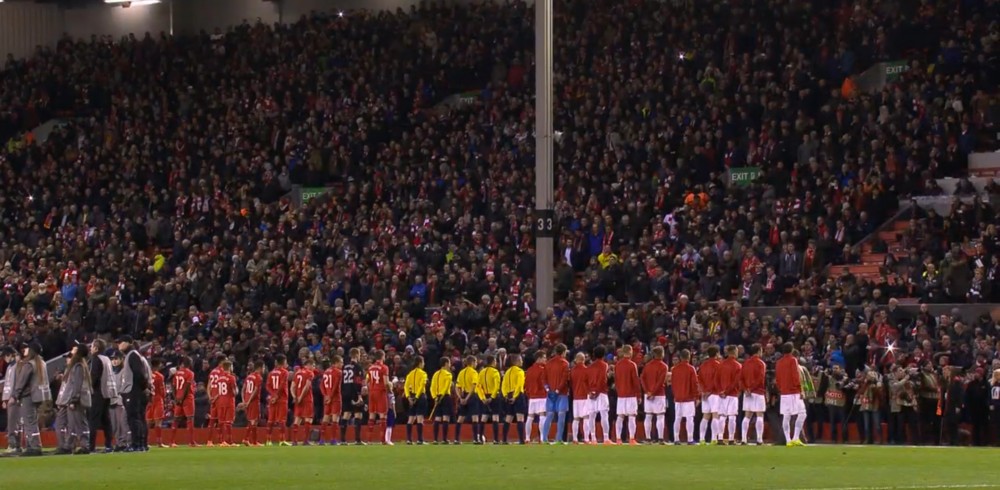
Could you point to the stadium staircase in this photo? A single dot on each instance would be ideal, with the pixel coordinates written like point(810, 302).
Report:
point(872, 266)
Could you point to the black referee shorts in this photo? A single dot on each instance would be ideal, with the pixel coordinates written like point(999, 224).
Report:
point(419, 407)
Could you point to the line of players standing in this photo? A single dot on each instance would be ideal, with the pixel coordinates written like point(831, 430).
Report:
point(479, 394)
point(344, 387)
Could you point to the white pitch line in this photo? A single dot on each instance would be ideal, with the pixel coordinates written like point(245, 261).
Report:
point(904, 487)
point(896, 446)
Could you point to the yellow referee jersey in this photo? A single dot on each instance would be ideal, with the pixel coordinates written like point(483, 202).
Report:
point(468, 378)
point(441, 383)
point(416, 383)
point(513, 382)
point(489, 383)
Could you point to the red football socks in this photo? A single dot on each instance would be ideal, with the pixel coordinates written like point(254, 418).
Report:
point(173, 432)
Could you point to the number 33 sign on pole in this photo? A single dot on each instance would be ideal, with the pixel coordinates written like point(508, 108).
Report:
point(545, 223)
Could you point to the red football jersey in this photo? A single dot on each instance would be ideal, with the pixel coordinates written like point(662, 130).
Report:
point(183, 385)
point(226, 387)
point(753, 375)
point(378, 373)
point(627, 378)
point(654, 378)
point(330, 383)
point(599, 377)
point(729, 377)
point(277, 384)
point(557, 375)
point(159, 388)
point(685, 382)
point(580, 381)
point(708, 373)
point(534, 381)
point(786, 375)
point(213, 382)
point(251, 388)
point(303, 384)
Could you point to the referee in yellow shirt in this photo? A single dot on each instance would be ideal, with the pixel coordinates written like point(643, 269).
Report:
point(517, 403)
point(442, 389)
point(488, 391)
point(415, 389)
point(468, 402)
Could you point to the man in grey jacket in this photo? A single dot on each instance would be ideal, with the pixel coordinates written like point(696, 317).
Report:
point(10, 356)
point(72, 403)
point(31, 390)
point(105, 388)
point(136, 382)
point(119, 422)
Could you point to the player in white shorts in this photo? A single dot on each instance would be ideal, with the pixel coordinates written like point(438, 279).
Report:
point(729, 402)
point(754, 403)
point(654, 384)
point(579, 379)
point(534, 388)
point(708, 373)
point(599, 405)
point(789, 381)
point(684, 380)
point(629, 391)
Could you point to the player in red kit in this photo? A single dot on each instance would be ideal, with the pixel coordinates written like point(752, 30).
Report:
point(227, 387)
point(729, 384)
point(579, 378)
point(183, 382)
point(708, 373)
point(754, 401)
point(789, 381)
point(684, 381)
point(557, 386)
point(302, 400)
point(627, 384)
point(213, 398)
point(332, 406)
point(599, 404)
point(251, 401)
point(277, 409)
point(654, 384)
point(154, 411)
point(534, 388)
point(379, 385)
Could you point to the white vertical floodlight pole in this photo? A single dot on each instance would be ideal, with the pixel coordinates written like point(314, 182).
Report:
point(544, 214)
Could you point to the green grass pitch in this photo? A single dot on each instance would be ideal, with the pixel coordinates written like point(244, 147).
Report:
point(535, 467)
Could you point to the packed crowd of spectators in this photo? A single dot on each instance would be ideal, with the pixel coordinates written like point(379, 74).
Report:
point(157, 210)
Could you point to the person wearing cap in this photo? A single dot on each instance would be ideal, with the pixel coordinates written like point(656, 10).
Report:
point(72, 402)
point(31, 390)
point(136, 380)
point(116, 407)
point(104, 387)
point(10, 356)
